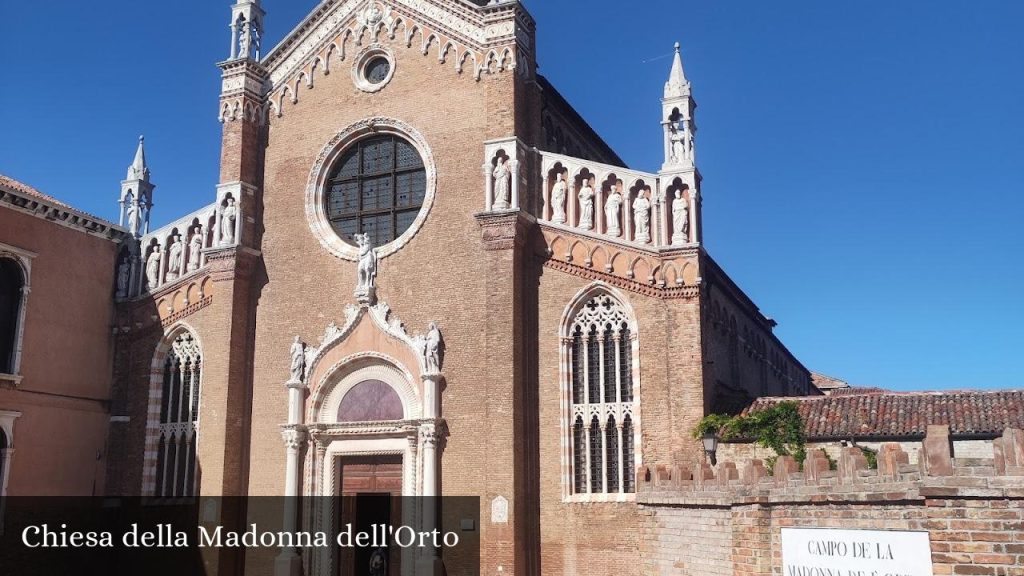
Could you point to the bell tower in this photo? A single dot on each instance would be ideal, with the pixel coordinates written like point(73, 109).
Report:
point(679, 172)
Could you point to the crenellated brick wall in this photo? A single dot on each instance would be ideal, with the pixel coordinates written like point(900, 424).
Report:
point(727, 520)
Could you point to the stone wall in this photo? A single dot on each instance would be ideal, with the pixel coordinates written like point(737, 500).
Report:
point(728, 520)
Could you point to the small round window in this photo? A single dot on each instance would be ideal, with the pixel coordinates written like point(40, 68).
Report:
point(373, 68)
point(377, 70)
point(376, 187)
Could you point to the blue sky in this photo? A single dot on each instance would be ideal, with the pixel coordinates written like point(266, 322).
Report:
point(863, 162)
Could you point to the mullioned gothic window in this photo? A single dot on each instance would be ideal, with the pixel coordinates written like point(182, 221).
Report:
point(602, 407)
point(179, 415)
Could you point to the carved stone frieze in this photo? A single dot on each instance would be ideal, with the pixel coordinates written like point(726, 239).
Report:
point(502, 231)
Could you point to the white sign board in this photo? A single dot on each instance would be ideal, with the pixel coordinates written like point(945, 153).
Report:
point(835, 552)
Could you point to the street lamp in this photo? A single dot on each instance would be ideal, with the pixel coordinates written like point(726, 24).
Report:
point(710, 440)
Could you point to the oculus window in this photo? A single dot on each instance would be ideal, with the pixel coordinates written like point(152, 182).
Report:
point(376, 187)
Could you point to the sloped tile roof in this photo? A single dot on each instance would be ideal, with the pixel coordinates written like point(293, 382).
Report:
point(874, 413)
point(19, 186)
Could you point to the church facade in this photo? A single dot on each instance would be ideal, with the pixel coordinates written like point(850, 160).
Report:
point(422, 273)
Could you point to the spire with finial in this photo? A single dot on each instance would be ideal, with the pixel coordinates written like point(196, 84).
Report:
point(137, 194)
point(677, 86)
point(679, 172)
point(138, 170)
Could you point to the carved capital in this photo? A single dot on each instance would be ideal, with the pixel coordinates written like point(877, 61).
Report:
point(294, 438)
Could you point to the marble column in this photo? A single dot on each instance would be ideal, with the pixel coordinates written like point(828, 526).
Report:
point(513, 168)
point(489, 188)
point(289, 561)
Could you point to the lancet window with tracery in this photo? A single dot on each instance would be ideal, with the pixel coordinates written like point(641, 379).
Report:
point(179, 415)
point(602, 408)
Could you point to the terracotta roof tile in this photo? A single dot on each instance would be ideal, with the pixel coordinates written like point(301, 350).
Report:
point(26, 189)
point(874, 413)
point(20, 187)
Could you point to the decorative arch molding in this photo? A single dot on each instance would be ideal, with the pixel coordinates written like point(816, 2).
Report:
point(156, 389)
point(465, 43)
point(573, 308)
point(316, 214)
point(355, 369)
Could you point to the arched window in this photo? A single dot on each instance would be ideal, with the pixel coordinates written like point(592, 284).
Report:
point(599, 387)
point(179, 415)
point(12, 291)
point(3, 461)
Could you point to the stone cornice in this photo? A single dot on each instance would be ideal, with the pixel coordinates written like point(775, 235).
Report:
point(666, 272)
point(61, 215)
point(666, 293)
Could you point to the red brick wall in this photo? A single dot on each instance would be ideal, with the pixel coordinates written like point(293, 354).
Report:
point(973, 510)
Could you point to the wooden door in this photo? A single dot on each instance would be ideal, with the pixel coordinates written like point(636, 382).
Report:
point(371, 489)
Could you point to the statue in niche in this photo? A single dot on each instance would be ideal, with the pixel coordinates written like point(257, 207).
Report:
point(174, 255)
point(642, 217)
point(195, 246)
point(612, 209)
point(433, 350)
point(244, 41)
point(558, 199)
point(367, 266)
point(502, 178)
point(676, 139)
point(586, 206)
point(680, 219)
point(123, 273)
point(298, 354)
point(153, 268)
point(227, 222)
point(133, 215)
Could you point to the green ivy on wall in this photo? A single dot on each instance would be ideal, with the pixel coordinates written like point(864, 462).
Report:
point(778, 428)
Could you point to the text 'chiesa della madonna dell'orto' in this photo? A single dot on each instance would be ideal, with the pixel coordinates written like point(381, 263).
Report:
point(422, 273)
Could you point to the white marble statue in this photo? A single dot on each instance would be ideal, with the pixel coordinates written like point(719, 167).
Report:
point(195, 247)
point(133, 215)
point(298, 355)
point(123, 273)
point(612, 209)
point(586, 206)
point(642, 218)
point(174, 255)
point(680, 219)
point(367, 265)
point(677, 139)
point(433, 350)
point(227, 222)
point(558, 199)
point(153, 268)
point(502, 178)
